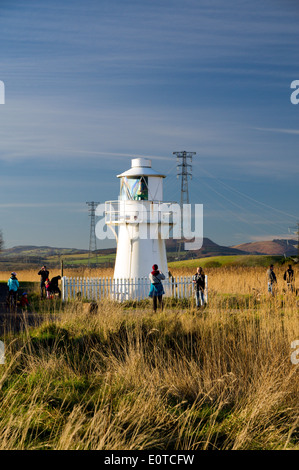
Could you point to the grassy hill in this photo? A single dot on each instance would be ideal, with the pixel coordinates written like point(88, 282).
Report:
point(26, 257)
point(210, 255)
point(236, 260)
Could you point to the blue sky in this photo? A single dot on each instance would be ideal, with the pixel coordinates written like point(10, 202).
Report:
point(89, 85)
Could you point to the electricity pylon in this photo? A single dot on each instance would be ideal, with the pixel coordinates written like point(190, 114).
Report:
point(184, 169)
point(92, 238)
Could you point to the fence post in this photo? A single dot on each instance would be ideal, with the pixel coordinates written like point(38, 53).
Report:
point(63, 286)
point(110, 287)
point(81, 288)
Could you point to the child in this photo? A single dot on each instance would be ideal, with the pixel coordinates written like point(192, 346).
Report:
point(24, 301)
point(48, 288)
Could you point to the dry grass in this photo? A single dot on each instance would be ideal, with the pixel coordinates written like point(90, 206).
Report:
point(124, 378)
point(30, 275)
point(230, 280)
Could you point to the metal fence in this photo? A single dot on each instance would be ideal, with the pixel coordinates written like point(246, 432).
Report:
point(96, 288)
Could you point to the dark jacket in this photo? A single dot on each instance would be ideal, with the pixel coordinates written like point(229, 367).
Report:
point(54, 281)
point(200, 281)
point(289, 275)
point(44, 275)
point(271, 276)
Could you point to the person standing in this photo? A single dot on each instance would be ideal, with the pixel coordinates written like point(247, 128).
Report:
point(13, 285)
point(199, 283)
point(272, 281)
point(289, 277)
point(44, 273)
point(156, 290)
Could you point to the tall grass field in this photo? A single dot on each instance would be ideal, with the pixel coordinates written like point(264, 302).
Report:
point(120, 377)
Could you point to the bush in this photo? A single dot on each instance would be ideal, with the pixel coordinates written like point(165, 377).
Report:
point(212, 264)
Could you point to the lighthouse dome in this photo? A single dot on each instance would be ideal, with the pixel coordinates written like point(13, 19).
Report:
point(140, 167)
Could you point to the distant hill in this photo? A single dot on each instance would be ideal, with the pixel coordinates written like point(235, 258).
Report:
point(270, 247)
point(209, 248)
point(29, 256)
point(31, 251)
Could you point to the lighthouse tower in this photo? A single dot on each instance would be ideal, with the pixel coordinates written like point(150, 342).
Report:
point(140, 221)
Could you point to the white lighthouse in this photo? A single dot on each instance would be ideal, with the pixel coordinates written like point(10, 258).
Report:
point(141, 217)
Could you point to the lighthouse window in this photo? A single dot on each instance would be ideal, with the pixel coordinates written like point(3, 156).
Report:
point(125, 189)
point(134, 188)
point(141, 189)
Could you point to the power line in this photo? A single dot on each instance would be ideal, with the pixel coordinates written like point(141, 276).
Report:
point(243, 218)
point(246, 195)
point(258, 204)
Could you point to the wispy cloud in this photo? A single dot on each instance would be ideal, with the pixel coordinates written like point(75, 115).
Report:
point(276, 130)
point(22, 205)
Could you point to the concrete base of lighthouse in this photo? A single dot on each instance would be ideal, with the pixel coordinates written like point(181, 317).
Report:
point(134, 260)
point(135, 257)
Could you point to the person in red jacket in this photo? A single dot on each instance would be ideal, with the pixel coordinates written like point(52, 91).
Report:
point(48, 288)
point(24, 301)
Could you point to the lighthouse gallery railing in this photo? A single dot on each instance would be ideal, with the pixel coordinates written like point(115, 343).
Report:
point(119, 212)
point(96, 288)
